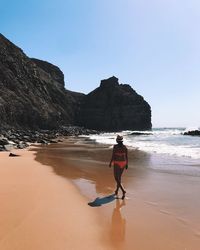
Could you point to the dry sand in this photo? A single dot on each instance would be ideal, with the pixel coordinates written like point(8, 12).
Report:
point(42, 211)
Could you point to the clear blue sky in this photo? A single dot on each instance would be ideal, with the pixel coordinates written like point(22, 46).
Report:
point(153, 45)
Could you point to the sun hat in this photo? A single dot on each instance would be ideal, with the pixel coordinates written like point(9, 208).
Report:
point(119, 138)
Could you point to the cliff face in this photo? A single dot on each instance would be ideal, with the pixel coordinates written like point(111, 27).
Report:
point(50, 71)
point(32, 96)
point(114, 107)
point(32, 93)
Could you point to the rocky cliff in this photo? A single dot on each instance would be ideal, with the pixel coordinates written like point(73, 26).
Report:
point(114, 107)
point(33, 96)
point(32, 93)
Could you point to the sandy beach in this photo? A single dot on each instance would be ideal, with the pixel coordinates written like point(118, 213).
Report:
point(45, 194)
point(42, 211)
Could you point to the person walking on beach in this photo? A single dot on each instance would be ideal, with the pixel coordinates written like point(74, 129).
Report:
point(119, 161)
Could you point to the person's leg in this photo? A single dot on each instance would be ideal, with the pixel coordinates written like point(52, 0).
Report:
point(119, 175)
point(116, 179)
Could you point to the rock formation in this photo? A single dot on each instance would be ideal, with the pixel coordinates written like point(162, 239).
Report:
point(52, 72)
point(32, 93)
point(33, 96)
point(192, 133)
point(115, 107)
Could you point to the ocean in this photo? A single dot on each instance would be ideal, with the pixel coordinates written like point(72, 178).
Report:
point(160, 140)
point(168, 147)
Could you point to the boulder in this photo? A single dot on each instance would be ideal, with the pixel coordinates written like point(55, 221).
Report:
point(193, 133)
point(13, 155)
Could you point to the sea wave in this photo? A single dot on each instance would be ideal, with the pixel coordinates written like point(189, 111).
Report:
point(169, 141)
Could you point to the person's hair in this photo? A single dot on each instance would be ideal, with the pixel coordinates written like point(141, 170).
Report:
point(120, 143)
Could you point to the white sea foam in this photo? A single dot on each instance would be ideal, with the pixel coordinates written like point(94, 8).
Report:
point(169, 141)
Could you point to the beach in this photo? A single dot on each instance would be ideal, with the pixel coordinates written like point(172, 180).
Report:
point(45, 194)
point(42, 211)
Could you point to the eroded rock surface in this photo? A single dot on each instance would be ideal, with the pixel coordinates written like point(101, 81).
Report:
point(113, 107)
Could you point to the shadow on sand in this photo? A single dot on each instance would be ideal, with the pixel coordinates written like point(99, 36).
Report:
point(101, 201)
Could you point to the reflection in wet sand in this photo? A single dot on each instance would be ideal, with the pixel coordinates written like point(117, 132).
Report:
point(118, 225)
point(88, 162)
point(150, 192)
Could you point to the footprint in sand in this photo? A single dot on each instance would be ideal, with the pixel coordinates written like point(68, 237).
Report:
point(151, 203)
point(165, 212)
point(182, 220)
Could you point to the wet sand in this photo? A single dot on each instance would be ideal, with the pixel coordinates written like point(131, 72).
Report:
point(161, 211)
point(42, 211)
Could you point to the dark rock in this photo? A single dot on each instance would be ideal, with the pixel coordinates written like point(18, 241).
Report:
point(53, 72)
point(4, 142)
point(22, 145)
point(193, 133)
point(22, 138)
point(140, 133)
point(114, 107)
point(32, 93)
point(42, 141)
point(52, 141)
point(13, 155)
point(33, 98)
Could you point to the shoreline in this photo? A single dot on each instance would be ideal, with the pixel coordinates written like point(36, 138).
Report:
point(161, 207)
point(40, 210)
point(161, 210)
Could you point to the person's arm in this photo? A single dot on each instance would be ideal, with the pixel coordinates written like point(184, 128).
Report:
point(110, 164)
point(126, 158)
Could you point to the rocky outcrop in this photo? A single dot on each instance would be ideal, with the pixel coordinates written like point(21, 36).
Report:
point(10, 139)
point(51, 72)
point(32, 93)
point(193, 133)
point(140, 133)
point(33, 96)
point(114, 107)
